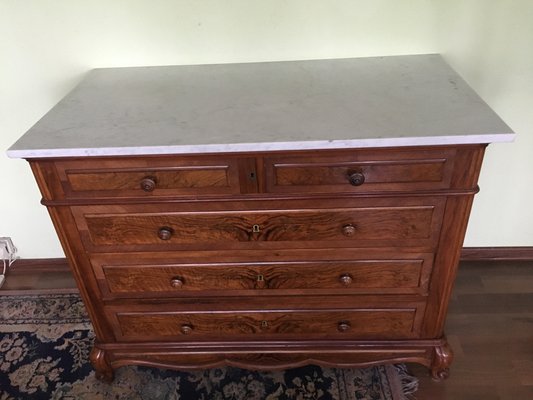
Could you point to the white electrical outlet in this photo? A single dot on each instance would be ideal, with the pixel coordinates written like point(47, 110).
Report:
point(8, 253)
point(7, 244)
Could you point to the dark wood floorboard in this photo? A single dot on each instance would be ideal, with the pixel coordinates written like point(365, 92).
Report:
point(490, 326)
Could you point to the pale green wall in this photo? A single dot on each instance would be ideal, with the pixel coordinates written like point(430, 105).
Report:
point(490, 43)
point(47, 46)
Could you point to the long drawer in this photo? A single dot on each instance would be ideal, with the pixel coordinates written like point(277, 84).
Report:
point(351, 323)
point(400, 222)
point(127, 275)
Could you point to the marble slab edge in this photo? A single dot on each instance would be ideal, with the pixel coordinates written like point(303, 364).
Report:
point(262, 146)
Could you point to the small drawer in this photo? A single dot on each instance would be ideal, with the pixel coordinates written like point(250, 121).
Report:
point(154, 325)
point(146, 176)
point(354, 223)
point(124, 276)
point(361, 171)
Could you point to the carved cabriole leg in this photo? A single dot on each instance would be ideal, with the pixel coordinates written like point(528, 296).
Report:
point(103, 369)
point(442, 358)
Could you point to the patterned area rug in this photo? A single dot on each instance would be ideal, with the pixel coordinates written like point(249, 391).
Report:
point(45, 342)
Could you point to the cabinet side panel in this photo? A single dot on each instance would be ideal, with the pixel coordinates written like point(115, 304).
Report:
point(467, 167)
point(455, 221)
point(47, 179)
point(81, 269)
point(70, 241)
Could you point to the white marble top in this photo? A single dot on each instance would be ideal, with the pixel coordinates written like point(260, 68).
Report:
point(343, 103)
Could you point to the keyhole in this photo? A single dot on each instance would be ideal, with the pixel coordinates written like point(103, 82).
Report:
point(260, 282)
point(264, 324)
point(256, 228)
point(252, 175)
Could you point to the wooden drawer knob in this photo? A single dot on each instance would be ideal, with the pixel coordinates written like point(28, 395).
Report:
point(176, 282)
point(356, 178)
point(343, 326)
point(186, 329)
point(148, 183)
point(348, 230)
point(165, 233)
point(346, 279)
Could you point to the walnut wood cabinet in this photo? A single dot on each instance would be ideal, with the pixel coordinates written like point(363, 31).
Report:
point(268, 259)
point(265, 215)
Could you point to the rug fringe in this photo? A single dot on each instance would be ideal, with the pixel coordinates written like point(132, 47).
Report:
point(409, 382)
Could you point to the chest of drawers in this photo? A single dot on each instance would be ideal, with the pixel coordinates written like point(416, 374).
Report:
point(265, 257)
point(266, 260)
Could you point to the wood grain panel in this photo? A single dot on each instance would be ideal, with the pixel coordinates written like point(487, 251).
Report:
point(325, 324)
point(267, 279)
point(178, 178)
point(368, 224)
point(385, 170)
point(171, 176)
point(413, 224)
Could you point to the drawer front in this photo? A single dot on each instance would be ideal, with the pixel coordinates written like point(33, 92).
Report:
point(126, 277)
point(397, 323)
point(361, 171)
point(400, 222)
point(148, 177)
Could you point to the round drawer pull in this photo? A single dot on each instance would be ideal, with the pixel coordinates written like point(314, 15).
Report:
point(346, 279)
point(165, 233)
point(356, 178)
point(148, 183)
point(186, 329)
point(176, 282)
point(344, 326)
point(348, 230)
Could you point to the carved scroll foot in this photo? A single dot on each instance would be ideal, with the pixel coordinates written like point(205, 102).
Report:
point(442, 358)
point(103, 369)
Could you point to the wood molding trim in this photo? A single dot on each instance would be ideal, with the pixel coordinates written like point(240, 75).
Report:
point(523, 253)
point(29, 265)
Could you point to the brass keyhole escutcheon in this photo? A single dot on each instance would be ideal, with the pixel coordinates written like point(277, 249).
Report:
point(264, 324)
point(256, 228)
point(260, 282)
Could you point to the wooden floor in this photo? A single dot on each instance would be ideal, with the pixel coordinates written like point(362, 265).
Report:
point(490, 326)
